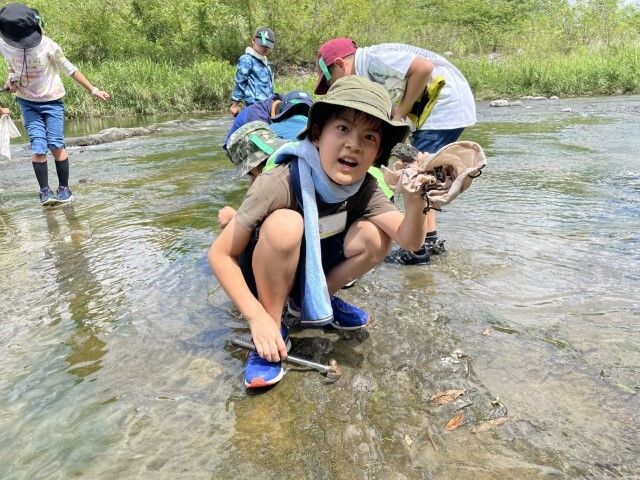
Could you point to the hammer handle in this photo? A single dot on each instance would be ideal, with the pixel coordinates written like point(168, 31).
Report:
point(303, 362)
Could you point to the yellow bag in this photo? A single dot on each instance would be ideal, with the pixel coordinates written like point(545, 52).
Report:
point(423, 106)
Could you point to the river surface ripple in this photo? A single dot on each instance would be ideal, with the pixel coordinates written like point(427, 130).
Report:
point(112, 328)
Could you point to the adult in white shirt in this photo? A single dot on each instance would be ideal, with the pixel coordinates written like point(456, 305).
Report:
point(426, 88)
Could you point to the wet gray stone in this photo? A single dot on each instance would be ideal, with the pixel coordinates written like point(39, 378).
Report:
point(110, 135)
point(499, 103)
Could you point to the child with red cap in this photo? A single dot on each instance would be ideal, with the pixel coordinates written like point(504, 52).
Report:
point(427, 89)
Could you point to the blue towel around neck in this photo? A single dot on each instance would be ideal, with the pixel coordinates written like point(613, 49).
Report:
point(309, 179)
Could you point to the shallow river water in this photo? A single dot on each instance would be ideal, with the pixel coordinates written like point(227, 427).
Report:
point(113, 331)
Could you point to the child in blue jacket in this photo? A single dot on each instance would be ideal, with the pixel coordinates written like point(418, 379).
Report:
point(254, 75)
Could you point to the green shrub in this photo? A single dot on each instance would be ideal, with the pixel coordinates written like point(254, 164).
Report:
point(172, 56)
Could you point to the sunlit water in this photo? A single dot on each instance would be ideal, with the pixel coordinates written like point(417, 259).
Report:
point(112, 328)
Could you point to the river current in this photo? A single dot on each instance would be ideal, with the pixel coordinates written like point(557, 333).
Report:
point(114, 333)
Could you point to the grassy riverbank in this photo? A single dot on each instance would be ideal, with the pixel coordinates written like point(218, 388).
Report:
point(146, 87)
point(164, 56)
point(603, 72)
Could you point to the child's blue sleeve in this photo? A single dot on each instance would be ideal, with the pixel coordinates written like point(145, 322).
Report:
point(242, 76)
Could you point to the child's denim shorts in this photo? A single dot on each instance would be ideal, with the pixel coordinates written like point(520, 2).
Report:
point(44, 122)
point(433, 140)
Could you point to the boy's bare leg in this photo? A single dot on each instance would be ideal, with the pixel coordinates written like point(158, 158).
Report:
point(59, 154)
point(275, 259)
point(431, 221)
point(365, 246)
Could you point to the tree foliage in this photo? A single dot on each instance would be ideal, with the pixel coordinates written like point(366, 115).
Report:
point(175, 55)
point(185, 31)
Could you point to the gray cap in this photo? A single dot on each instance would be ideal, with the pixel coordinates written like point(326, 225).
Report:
point(265, 37)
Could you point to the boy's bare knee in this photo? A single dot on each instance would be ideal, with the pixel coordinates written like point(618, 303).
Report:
point(59, 154)
point(283, 230)
point(368, 240)
point(380, 246)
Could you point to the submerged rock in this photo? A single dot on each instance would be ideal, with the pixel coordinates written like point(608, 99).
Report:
point(502, 102)
point(534, 97)
point(111, 135)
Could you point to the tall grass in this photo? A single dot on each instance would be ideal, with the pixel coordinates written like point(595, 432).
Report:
point(146, 87)
point(163, 56)
point(601, 72)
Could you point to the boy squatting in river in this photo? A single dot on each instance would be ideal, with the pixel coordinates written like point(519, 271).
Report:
point(319, 194)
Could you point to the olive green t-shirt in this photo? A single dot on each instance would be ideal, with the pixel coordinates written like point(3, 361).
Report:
point(272, 191)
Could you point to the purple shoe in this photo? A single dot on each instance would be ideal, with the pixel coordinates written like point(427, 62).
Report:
point(64, 195)
point(47, 197)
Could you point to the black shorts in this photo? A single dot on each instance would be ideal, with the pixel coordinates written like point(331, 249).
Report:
point(332, 252)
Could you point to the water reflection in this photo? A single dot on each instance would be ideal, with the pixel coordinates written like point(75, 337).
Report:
point(7, 227)
point(78, 290)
